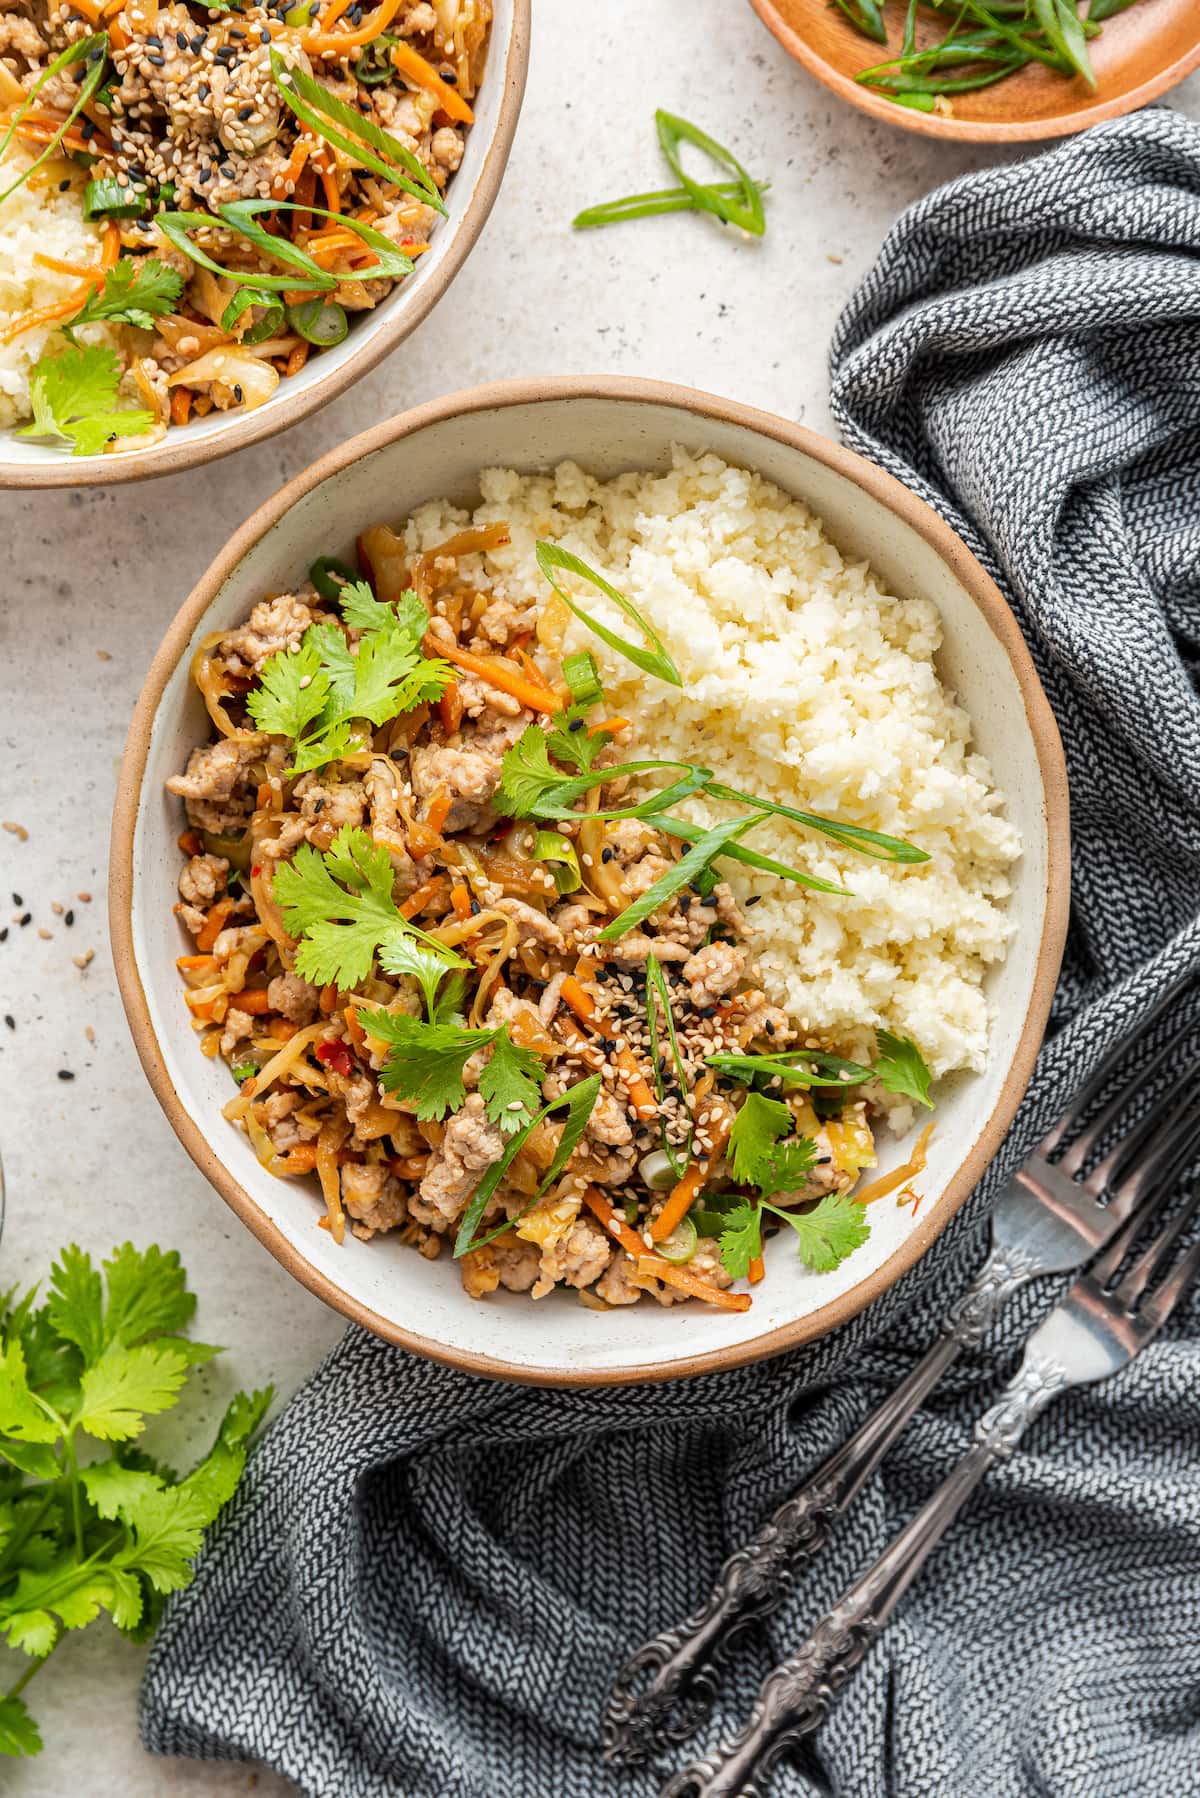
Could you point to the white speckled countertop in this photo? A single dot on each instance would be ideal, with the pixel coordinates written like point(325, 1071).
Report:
point(93, 577)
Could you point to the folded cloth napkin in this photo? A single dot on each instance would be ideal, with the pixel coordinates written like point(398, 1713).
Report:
point(427, 1580)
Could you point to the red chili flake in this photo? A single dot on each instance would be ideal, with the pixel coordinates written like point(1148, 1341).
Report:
point(334, 1054)
point(255, 871)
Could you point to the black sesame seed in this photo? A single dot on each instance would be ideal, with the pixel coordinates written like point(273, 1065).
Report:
point(576, 724)
point(264, 36)
point(606, 854)
point(27, 919)
point(4, 934)
point(197, 44)
point(181, 39)
point(155, 43)
point(87, 130)
point(69, 918)
point(754, 899)
point(17, 899)
point(237, 34)
point(769, 1027)
point(237, 392)
point(449, 77)
point(227, 169)
point(244, 112)
point(63, 186)
point(10, 1020)
point(157, 62)
point(65, 1074)
point(205, 90)
point(474, 908)
point(205, 175)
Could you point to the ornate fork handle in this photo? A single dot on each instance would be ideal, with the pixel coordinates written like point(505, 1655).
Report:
point(794, 1699)
point(665, 1690)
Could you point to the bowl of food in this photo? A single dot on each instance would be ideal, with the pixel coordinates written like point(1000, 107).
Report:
point(589, 873)
point(213, 221)
point(1011, 74)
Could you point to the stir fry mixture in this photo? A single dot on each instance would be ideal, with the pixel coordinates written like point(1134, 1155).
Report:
point(260, 171)
point(472, 967)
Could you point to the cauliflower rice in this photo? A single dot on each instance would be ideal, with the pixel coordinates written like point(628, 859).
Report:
point(48, 222)
point(804, 682)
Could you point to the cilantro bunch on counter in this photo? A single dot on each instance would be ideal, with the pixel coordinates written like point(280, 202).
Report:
point(89, 1523)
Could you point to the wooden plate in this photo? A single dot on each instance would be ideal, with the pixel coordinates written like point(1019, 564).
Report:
point(1139, 55)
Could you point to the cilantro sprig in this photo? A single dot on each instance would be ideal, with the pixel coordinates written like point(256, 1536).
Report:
point(135, 291)
point(900, 1068)
point(88, 1522)
point(426, 1063)
point(316, 693)
point(339, 905)
point(74, 397)
point(761, 1157)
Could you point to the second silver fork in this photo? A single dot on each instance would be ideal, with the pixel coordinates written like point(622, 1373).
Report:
point(1050, 1218)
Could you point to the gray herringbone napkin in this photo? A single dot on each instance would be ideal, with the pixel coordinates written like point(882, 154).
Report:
point(427, 1580)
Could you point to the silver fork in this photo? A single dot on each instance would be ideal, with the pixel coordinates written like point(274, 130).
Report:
point(1098, 1328)
point(1050, 1218)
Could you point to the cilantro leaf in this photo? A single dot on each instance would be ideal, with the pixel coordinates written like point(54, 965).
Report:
point(402, 953)
point(759, 1124)
point(901, 1068)
point(168, 1528)
point(136, 291)
point(147, 1296)
point(126, 1385)
point(741, 1239)
point(75, 1304)
point(73, 396)
point(426, 1061)
point(18, 1731)
point(526, 773)
point(20, 1414)
point(570, 741)
point(510, 1084)
point(115, 1490)
point(391, 676)
point(340, 925)
point(830, 1231)
point(787, 1167)
point(363, 612)
point(292, 691)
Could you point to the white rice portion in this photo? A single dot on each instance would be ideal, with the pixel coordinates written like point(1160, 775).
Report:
point(806, 683)
point(53, 224)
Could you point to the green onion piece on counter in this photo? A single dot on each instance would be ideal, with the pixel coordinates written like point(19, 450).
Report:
point(267, 326)
point(329, 576)
point(583, 678)
point(747, 210)
point(559, 852)
point(107, 199)
point(322, 322)
point(371, 147)
point(656, 659)
point(651, 205)
point(93, 50)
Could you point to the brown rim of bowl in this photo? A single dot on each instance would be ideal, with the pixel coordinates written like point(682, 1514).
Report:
point(1044, 730)
point(289, 409)
point(976, 131)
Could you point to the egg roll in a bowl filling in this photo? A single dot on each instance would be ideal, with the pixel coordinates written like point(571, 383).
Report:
point(578, 885)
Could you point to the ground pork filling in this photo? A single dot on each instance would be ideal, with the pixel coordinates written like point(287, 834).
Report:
point(413, 1093)
point(187, 116)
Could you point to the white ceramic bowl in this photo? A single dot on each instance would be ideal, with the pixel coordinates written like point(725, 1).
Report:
point(372, 335)
point(607, 426)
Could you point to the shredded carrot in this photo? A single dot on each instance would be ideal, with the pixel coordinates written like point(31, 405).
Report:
point(899, 1176)
point(214, 923)
point(252, 999)
point(296, 359)
point(44, 315)
point(328, 1000)
point(756, 1269)
point(295, 167)
point(537, 696)
point(35, 133)
point(111, 248)
point(410, 62)
point(333, 197)
point(579, 999)
point(195, 961)
point(610, 724)
point(88, 8)
point(450, 709)
point(358, 1035)
point(191, 842)
point(282, 1029)
point(420, 899)
point(646, 1263)
point(331, 14)
point(202, 1007)
point(91, 274)
point(333, 43)
point(439, 810)
point(624, 1060)
point(181, 405)
point(118, 37)
point(460, 899)
point(680, 1201)
point(301, 1159)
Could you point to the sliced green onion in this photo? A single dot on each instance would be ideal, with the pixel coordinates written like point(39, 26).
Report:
point(322, 322)
point(1060, 22)
point(245, 1070)
point(865, 16)
point(322, 574)
point(736, 852)
point(559, 851)
point(583, 678)
point(239, 215)
point(747, 211)
point(579, 1101)
point(814, 1068)
point(655, 660)
point(850, 836)
point(651, 205)
point(682, 874)
point(267, 326)
point(93, 49)
point(315, 106)
point(300, 17)
point(107, 199)
point(916, 102)
point(679, 1247)
point(658, 998)
point(372, 74)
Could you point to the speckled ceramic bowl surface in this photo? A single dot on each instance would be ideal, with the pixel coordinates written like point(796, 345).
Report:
point(607, 426)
